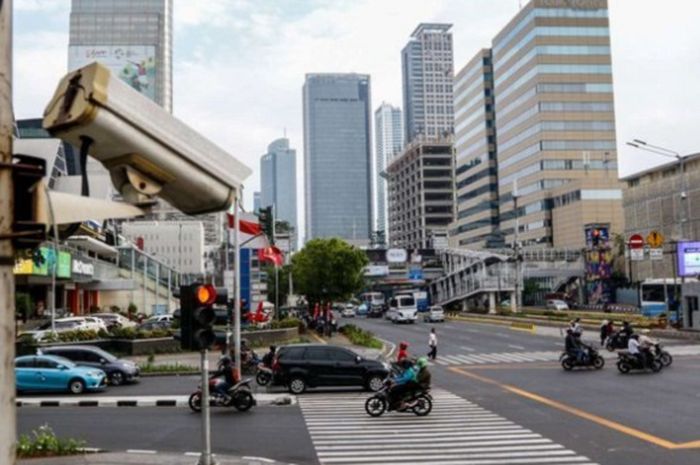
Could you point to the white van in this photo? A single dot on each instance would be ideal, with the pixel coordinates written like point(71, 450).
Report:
point(402, 309)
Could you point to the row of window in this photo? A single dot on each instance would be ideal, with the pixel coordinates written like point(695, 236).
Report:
point(577, 144)
point(472, 225)
point(479, 128)
point(478, 208)
point(576, 106)
point(554, 68)
point(549, 31)
point(547, 88)
point(476, 192)
point(477, 82)
point(467, 151)
point(547, 13)
point(551, 50)
point(544, 126)
point(478, 98)
point(491, 171)
point(557, 165)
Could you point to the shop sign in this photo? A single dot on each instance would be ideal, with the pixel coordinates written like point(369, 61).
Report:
point(83, 268)
point(63, 270)
point(377, 270)
point(396, 256)
point(24, 266)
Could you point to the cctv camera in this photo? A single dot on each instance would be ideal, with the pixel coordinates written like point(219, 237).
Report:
point(147, 151)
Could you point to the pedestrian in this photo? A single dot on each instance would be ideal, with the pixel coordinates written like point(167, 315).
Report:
point(432, 343)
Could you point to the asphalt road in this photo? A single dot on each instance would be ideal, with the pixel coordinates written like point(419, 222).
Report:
point(610, 418)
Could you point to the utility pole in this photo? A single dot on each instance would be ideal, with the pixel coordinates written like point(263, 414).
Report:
point(516, 246)
point(8, 424)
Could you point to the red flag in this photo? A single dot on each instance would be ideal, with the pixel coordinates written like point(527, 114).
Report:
point(271, 254)
point(250, 233)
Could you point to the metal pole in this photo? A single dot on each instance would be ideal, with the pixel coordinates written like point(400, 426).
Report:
point(237, 284)
point(684, 199)
point(145, 282)
point(230, 297)
point(205, 458)
point(157, 286)
point(8, 425)
point(517, 246)
point(277, 291)
point(170, 292)
point(133, 274)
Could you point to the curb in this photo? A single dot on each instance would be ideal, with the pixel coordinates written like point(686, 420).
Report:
point(387, 353)
point(140, 401)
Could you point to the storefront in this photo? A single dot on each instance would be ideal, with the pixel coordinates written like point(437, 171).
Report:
point(33, 277)
point(80, 300)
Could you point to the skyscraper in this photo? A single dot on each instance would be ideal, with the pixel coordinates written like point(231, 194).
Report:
point(337, 156)
point(389, 142)
point(555, 123)
point(427, 70)
point(132, 38)
point(256, 201)
point(476, 200)
point(278, 181)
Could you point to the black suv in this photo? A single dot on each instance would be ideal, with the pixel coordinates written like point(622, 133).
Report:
point(118, 371)
point(312, 365)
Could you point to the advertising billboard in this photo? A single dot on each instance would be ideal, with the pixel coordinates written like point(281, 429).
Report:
point(133, 64)
point(688, 259)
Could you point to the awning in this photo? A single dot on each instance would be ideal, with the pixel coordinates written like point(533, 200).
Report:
point(92, 245)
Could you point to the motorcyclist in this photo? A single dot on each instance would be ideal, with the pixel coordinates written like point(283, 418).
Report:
point(423, 377)
point(647, 347)
point(269, 357)
point(634, 349)
point(572, 345)
point(401, 384)
point(403, 352)
point(575, 326)
point(227, 371)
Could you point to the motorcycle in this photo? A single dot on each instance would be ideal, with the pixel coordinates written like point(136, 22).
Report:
point(664, 357)
point(627, 362)
point(420, 402)
point(617, 340)
point(238, 396)
point(263, 375)
point(590, 359)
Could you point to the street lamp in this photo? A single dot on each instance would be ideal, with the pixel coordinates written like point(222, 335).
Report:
point(642, 145)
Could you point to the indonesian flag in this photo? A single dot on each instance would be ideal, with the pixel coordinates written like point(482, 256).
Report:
point(250, 234)
point(271, 254)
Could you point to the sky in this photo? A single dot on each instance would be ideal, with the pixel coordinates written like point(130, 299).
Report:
point(239, 65)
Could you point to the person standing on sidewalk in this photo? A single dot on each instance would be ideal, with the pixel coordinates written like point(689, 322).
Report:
point(432, 343)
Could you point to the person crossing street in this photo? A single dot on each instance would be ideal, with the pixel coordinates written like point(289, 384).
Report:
point(432, 344)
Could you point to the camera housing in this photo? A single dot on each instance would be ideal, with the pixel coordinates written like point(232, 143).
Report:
point(148, 152)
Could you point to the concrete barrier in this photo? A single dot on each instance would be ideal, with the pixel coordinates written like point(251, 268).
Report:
point(520, 326)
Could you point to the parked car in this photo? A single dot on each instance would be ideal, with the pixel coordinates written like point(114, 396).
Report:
point(151, 325)
point(114, 320)
point(348, 312)
point(403, 309)
point(165, 318)
point(303, 366)
point(434, 314)
point(43, 331)
point(557, 305)
point(85, 322)
point(362, 310)
point(52, 373)
point(119, 371)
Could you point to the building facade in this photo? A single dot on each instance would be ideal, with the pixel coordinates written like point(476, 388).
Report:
point(427, 71)
point(388, 137)
point(653, 200)
point(338, 156)
point(278, 181)
point(420, 194)
point(476, 216)
point(555, 124)
point(178, 244)
point(133, 39)
point(257, 201)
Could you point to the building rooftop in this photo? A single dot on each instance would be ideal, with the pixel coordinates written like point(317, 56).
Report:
point(662, 167)
point(431, 27)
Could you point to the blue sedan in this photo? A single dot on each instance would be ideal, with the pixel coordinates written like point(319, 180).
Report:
point(52, 373)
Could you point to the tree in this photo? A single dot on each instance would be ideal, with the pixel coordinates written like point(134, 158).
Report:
point(327, 270)
point(284, 283)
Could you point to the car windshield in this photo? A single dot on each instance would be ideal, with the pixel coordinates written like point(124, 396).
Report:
point(406, 301)
point(105, 355)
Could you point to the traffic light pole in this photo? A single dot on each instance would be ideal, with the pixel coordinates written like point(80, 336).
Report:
point(206, 457)
point(7, 280)
point(237, 284)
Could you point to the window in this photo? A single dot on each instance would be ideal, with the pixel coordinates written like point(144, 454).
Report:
point(342, 355)
point(317, 353)
point(292, 353)
point(25, 363)
point(45, 363)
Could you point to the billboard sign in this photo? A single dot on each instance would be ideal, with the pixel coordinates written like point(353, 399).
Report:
point(133, 64)
point(396, 256)
point(377, 270)
point(63, 268)
point(688, 259)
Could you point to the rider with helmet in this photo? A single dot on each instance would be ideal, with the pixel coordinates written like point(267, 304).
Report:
point(269, 357)
point(227, 371)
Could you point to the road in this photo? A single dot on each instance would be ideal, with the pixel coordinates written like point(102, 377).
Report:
point(500, 397)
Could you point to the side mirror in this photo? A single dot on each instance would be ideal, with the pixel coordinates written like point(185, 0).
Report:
point(358, 359)
point(103, 361)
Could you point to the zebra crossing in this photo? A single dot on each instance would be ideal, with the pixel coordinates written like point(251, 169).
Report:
point(499, 357)
point(457, 432)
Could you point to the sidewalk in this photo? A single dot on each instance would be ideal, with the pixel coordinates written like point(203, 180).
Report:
point(114, 458)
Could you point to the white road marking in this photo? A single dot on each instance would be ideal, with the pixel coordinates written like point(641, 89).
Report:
point(515, 346)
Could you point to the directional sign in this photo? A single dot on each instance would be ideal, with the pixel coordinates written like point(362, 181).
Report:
point(655, 240)
point(636, 241)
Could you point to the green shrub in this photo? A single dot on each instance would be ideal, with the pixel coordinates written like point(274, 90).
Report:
point(176, 367)
point(284, 323)
point(361, 337)
point(44, 443)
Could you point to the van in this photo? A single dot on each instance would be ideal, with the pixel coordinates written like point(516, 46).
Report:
point(402, 309)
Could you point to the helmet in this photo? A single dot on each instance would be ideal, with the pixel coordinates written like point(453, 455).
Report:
point(422, 362)
point(403, 345)
point(225, 360)
point(569, 331)
point(273, 348)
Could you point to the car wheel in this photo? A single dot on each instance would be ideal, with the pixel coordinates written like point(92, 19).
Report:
point(76, 386)
point(375, 383)
point(297, 385)
point(116, 378)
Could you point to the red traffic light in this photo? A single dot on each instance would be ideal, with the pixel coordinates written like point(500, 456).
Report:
point(206, 294)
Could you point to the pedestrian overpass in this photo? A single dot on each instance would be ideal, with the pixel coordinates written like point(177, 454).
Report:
point(473, 277)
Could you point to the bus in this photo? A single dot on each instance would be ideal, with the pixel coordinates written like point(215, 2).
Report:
point(656, 294)
point(373, 299)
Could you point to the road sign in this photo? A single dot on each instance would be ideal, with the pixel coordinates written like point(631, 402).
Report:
point(655, 240)
point(636, 254)
point(636, 241)
point(656, 254)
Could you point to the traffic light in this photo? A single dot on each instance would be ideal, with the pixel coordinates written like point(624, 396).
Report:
point(27, 173)
point(266, 219)
point(197, 315)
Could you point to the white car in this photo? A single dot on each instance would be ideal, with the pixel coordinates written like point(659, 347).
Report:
point(557, 305)
point(402, 309)
point(115, 319)
point(166, 318)
point(348, 312)
point(44, 330)
point(435, 313)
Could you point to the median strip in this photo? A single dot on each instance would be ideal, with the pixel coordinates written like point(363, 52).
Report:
point(139, 401)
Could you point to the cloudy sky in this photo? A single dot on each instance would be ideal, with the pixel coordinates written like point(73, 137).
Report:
point(239, 65)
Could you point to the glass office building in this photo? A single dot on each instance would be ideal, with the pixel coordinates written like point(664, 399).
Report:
point(278, 181)
point(337, 156)
point(388, 130)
